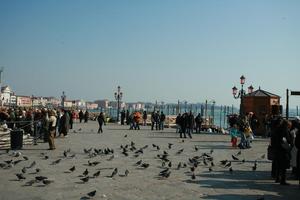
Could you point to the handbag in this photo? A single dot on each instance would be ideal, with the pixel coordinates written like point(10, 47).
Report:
point(270, 153)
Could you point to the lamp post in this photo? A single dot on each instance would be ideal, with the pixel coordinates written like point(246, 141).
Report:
point(118, 97)
point(241, 93)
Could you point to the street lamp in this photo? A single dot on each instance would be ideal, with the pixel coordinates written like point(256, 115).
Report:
point(241, 93)
point(118, 97)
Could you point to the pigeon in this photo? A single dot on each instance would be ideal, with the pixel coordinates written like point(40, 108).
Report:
point(93, 163)
point(223, 162)
point(170, 164)
point(239, 153)
point(8, 161)
point(179, 166)
point(193, 176)
point(56, 162)
point(228, 164)
point(37, 170)
point(180, 151)
point(30, 183)
point(31, 165)
point(204, 162)
point(230, 170)
point(85, 179)
point(72, 169)
point(92, 193)
point(65, 154)
point(86, 172)
point(20, 176)
point(46, 157)
point(87, 151)
point(125, 136)
point(170, 145)
point(210, 169)
point(145, 165)
point(212, 164)
point(47, 182)
point(40, 178)
point(255, 166)
point(16, 162)
point(125, 153)
point(234, 158)
point(196, 148)
point(165, 175)
point(96, 174)
point(192, 169)
point(211, 151)
point(72, 156)
point(25, 157)
point(139, 162)
point(24, 170)
point(164, 171)
point(157, 148)
point(126, 172)
point(114, 172)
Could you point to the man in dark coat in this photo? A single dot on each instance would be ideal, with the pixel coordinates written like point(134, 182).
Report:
point(101, 121)
point(64, 123)
point(281, 143)
point(86, 116)
point(80, 116)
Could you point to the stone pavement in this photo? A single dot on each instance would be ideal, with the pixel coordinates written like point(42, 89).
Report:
point(220, 183)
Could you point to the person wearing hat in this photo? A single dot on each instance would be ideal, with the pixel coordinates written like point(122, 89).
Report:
point(52, 129)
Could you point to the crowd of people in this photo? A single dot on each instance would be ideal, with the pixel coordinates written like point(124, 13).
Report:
point(44, 124)
point(284, 143)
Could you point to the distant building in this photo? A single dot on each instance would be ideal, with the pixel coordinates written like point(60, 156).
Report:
point(114, 104)
point(104, 104)
point(24, 101)
point(7, 96)
point(52, 102)
point(80, 104)
point(69, 104)
point(91, 106)
point(136, 106)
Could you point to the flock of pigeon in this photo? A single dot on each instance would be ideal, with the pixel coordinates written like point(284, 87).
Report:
point(31, 175)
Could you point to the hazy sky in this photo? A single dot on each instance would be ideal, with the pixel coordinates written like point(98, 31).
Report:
point(161, 50)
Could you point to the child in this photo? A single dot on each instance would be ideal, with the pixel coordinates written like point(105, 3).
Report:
point(234, 135)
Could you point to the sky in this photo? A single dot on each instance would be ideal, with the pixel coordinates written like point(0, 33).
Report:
point(170, 50)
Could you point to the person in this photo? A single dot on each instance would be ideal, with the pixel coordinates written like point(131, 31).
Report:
point(71, 121)
point(136, 120)
point(198, 121)
point(80, 116)
point(152, 120)
point(64, 123)
point(178, 118)
point(234, 132)
point(52, 129)
point(86, 116)
point(123, 115)
point(162, 120)
point(101, 121)
point(45, 125)
point(254, 123)
point(281, 144)
point(297, 145)
point(127, 117)
point(145, 118)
